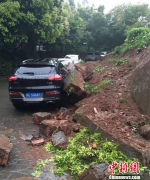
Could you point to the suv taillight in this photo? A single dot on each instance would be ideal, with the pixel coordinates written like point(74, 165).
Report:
point(52, 93)
point(15, 93)
point(55, 78)
point(13, 78)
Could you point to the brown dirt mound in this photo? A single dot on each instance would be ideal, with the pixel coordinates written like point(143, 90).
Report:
point(117, 112)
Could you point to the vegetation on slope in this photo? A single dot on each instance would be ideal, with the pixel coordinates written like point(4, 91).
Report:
point(79, 154)
point(136, 38)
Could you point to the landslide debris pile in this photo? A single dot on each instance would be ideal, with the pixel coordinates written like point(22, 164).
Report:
point(110, 105)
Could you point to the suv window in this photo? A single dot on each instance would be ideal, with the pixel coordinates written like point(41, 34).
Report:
point(35, 70)
point(67, 57)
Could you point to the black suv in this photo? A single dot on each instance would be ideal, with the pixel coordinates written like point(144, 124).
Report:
point(37, 82)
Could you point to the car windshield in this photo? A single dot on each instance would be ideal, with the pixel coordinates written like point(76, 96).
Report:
point(35, 70)
point(67, 57)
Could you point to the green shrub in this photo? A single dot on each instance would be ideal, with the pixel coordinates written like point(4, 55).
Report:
point(82, 62)
point(136, 38)
point(7, 66)
point(134, 34)
point(117, 50)
point(79, 154)
point(121, 61)
point(96, 89)
point(99, 69)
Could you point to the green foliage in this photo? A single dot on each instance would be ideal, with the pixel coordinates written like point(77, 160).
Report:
point(79, 154)
point(105, 83)
point(122, 18)
point(99, 69)
point(134, 33)
point(90, 88)
point(39, 167)
point(121, 61)
point(82, 62)
point(98, 28)
point(8, 66)
point(117, 50)
point(30, 21)
point(10, 17)
point(60, 26)
point(72, 80)
point(136, 38)
point(114, 58)
point(96, 89)
point(71, 90)
point(36, 173)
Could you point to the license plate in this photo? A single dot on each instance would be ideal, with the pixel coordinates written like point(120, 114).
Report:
point(33, 95)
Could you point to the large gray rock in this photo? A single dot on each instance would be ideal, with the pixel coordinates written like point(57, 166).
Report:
point(145, 131)
point(95, 172)
point(140, 87)
point(146, 158)
point(60, 140)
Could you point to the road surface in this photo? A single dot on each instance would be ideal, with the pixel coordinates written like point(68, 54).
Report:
point(14, 123)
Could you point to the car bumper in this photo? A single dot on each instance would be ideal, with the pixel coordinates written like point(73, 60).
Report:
point(40, 102)
point(22, 100)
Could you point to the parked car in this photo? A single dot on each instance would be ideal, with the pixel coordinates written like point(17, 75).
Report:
point(70, 58)
point(65, 61)
point(103, 54)
point(92, 56)
point(76, 58)
point(37, 82)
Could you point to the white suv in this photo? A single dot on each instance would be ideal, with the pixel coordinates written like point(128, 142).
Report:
point(103, 53)
point(76, 59)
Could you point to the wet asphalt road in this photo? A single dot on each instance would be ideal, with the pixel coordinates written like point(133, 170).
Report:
point(17, 122)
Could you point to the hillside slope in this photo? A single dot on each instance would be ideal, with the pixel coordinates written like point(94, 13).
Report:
point(117, 113)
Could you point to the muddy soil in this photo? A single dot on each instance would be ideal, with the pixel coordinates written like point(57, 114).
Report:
point(117, 113)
